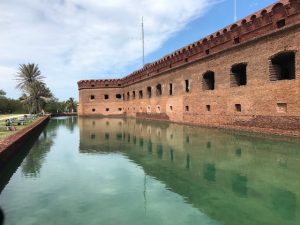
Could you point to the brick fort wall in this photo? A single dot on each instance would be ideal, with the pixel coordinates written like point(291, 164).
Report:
point(245, 75)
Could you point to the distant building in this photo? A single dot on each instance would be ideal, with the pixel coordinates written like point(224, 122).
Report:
point(246, 74)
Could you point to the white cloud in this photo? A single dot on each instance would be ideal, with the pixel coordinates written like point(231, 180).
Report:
point(73, 39)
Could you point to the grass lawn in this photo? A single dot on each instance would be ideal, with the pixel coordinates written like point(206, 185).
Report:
point(7, 116)
point(6, 133)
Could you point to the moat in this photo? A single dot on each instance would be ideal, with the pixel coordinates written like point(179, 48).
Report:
point(124, 171)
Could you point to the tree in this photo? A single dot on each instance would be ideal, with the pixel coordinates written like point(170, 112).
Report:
point(30, 82)
point(71, 105)
point(27, 75)
point(8, 105)
point(55, 106)
point(37, 96)
point(2, 93)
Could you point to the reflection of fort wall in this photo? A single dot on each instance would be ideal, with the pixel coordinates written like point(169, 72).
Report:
point(117, 132)
point(206, 165)
point(189, 145)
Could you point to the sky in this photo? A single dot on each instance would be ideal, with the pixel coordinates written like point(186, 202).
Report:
point(74, 40)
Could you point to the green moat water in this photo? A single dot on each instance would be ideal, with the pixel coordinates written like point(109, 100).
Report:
point(115, 171)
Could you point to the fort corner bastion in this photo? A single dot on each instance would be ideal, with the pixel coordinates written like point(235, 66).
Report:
point(245, 75)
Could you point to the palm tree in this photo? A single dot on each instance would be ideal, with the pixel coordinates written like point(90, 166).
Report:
point(27, 75)
point(35, 92)
point(37, 96)
point(71, 105)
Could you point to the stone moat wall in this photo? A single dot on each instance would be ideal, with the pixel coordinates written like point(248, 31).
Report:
point(18, 142)
point(245, 75)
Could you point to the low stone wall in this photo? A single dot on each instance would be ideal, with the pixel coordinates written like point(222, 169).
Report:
point(10, 146)
point(63, 114)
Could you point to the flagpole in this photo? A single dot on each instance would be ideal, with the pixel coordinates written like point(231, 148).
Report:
point(234, 16)
point(143, 42)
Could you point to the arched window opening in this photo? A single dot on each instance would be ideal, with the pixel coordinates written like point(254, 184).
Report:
point(282, 66)
point(140, 94)
point(208, 81)
point(158, 90)
point(238, 75)
point(149, 92)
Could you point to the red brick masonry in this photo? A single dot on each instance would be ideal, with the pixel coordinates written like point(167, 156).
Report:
point(244, 76)
point(14, 143)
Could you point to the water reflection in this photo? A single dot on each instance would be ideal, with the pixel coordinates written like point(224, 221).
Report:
point(209, 172)
point(231, 178)
point(284, 203)
point(33, 162)
point(239, 185)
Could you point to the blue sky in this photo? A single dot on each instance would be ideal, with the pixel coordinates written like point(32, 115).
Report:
point(73, 40)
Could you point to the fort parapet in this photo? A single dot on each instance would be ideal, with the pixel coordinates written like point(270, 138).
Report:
point(246, 74)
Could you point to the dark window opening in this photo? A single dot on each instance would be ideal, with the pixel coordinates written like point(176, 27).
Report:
point(93, 110)
point(158, 90)
point(120, 109)
point(281, 107)
point(187, 139)
point(106, 85)
point(149, 92)
point(140, 94)
point(208, 144)
point(236, 40)
point(208, 82)
point(171, 108)
point(208, 108)
point(186, 59)
point(238, 107)
point(280, 23)
point(118, 96)
point(158, 109)
point(92, 97)
point(170, 89)
point(119, 85)
point(238, 75)
point(93, 85)
point(106, 97)
point(283, 67)
point(187, 85)
point(238, 152)
point(128, 95)
point(107, 109)
point(133, 94)
point(93, 136)
point(187, 108)
point(207, 51)
point(119, 136)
